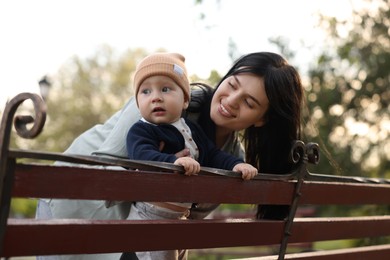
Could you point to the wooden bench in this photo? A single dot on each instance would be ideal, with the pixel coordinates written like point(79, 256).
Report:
point(156, 182)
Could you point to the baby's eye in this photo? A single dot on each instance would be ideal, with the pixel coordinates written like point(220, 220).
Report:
point(146, 91)
point(166, 89)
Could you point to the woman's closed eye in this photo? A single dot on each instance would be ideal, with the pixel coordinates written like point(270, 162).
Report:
point(232, 85)
point(249, 103)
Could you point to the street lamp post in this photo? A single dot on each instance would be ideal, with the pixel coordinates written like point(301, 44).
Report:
point(44, 87)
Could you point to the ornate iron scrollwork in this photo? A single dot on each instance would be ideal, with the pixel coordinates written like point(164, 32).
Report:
point(297, 153)
point(301, 152)
point(21, 121)
point(313, 153)
point(6, 164)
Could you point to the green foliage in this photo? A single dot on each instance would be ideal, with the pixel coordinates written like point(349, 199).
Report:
point(23, 208)
point(349, 94)
point(332, 245)
point(86, 92)
point(349, 101)
point(236, 210)
point(214, 78)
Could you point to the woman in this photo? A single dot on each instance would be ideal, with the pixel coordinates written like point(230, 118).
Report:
point(260, 95)
point(269, 131)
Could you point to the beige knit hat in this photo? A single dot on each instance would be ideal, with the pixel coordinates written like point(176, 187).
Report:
point(166, 64)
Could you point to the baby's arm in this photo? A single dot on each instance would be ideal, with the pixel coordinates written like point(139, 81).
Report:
point(191, 166)
point(248, 171)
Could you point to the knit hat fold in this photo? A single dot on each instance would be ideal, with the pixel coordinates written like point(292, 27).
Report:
point(165, 64)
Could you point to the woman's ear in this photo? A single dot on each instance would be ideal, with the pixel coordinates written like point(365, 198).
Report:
point(260, 123)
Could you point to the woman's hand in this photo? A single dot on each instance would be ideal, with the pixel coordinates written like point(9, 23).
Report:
point(248, 171)
point(191, 166)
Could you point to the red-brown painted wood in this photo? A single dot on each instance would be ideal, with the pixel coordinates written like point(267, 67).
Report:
point(321, 229)
point(41, 237)
point(380, 252)
point(69, 182)
point(326, 193)
point(41, 181)
point(35, 237)
point(32, 237)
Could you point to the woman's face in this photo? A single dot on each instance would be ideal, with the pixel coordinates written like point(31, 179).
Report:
point(239, 102)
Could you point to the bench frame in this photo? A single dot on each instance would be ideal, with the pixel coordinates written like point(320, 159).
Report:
point(155, 181)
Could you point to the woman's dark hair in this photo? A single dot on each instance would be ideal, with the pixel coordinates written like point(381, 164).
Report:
point(268, 147)
point(200, 105)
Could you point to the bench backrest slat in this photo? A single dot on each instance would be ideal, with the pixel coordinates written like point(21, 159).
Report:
point(360, 253)
point(338, 193)
point(41, 181)
point(30, 237)
point(75, 183)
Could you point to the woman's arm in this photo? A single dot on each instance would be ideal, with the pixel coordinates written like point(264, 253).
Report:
point(115, 141)
point(108, 138)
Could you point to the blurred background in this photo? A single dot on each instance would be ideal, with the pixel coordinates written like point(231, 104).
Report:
point(83, 53)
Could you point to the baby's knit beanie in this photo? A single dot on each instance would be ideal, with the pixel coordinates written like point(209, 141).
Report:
point(166, 64)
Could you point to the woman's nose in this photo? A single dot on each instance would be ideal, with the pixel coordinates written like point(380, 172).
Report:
point(232, 100)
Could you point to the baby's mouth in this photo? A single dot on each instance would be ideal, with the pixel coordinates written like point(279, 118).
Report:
point(158, 109)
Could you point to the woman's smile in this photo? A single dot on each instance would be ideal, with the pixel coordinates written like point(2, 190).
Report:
point(239, 102)
point(224, 112)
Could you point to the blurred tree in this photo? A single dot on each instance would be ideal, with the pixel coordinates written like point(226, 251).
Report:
point(283, 45)
point(349, 98)
point(349, 92)
point(86, 92)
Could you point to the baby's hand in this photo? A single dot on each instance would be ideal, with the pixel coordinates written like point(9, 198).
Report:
point(248, 171)
point(183, 153)
point(191, 166)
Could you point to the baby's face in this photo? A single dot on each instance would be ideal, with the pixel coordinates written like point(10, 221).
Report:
point(161, 100)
